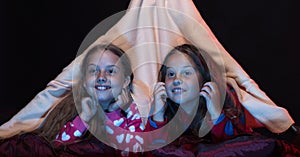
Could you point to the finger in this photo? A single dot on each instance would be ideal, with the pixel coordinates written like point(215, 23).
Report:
point(162, 95)
point(158, 85)
point(119, 100)
point(161, 92)
point(162, 88)
point(124, 99)
point(86, 101)
point(124, 96)
point(206, 89)
point(211, 85)
point(205, 95)
point(93, 103)
point(207, 84)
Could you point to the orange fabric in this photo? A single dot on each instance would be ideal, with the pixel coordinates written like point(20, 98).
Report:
point(147, 32)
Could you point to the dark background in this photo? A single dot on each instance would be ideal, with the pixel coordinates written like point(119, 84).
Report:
point(39, 38)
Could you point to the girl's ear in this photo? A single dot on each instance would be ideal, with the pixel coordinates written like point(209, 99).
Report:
point(126, 82)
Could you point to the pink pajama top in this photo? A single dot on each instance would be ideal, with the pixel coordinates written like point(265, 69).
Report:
point(131, 121)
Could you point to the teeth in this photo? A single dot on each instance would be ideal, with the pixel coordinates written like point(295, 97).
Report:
point(102, 87)
point(177, 90)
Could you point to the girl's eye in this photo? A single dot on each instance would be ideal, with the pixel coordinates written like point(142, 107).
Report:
point(92, 71)
point(187, 73)
point(111, 71)
point(170, 74)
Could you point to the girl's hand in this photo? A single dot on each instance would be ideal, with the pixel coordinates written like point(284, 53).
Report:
point(89, 109)
point(211, 93)
point(160, 97)
point(121, 101)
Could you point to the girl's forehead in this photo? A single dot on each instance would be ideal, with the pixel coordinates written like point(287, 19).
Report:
point(103, 56)
point(179, 59)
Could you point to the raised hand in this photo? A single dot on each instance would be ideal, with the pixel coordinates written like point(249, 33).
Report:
point(121, 101)
point(160, 96)
point(212, 96)
point(89, 109)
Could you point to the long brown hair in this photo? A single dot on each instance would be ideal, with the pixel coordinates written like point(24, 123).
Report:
point(195, 55)
point(232, 107)
point(69, 107)
point(63, 112)
point(96, 123)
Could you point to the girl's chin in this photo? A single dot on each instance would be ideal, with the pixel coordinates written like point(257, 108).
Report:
point(177, 101)
point(104, 100)
point(104, 95)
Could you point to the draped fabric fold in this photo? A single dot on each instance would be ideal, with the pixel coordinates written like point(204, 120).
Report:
point(148, 30)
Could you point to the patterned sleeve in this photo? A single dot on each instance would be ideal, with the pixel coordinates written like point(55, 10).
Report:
point(118, 122)
point(134, 121)
point(71, 131)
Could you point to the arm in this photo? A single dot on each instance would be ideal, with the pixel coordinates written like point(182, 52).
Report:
point(157, 119)
point(233, 119)
point(160, 96)
point(212, 96)
point(71, 131)
point(134, 121)
point(34, 113)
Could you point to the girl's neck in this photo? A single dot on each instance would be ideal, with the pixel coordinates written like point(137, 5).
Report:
point(189, 107)
point(107, 105)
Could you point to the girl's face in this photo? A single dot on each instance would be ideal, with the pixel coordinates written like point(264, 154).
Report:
point(182, 80)
point(104, 77)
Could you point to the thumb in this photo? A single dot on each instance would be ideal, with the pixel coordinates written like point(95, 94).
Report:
point(86, 100)
point(114, 106)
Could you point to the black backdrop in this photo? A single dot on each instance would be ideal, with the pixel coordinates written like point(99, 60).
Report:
point(39, 38)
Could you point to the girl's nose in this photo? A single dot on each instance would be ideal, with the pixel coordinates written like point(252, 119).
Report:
point(177, 82)
point(101, 78)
